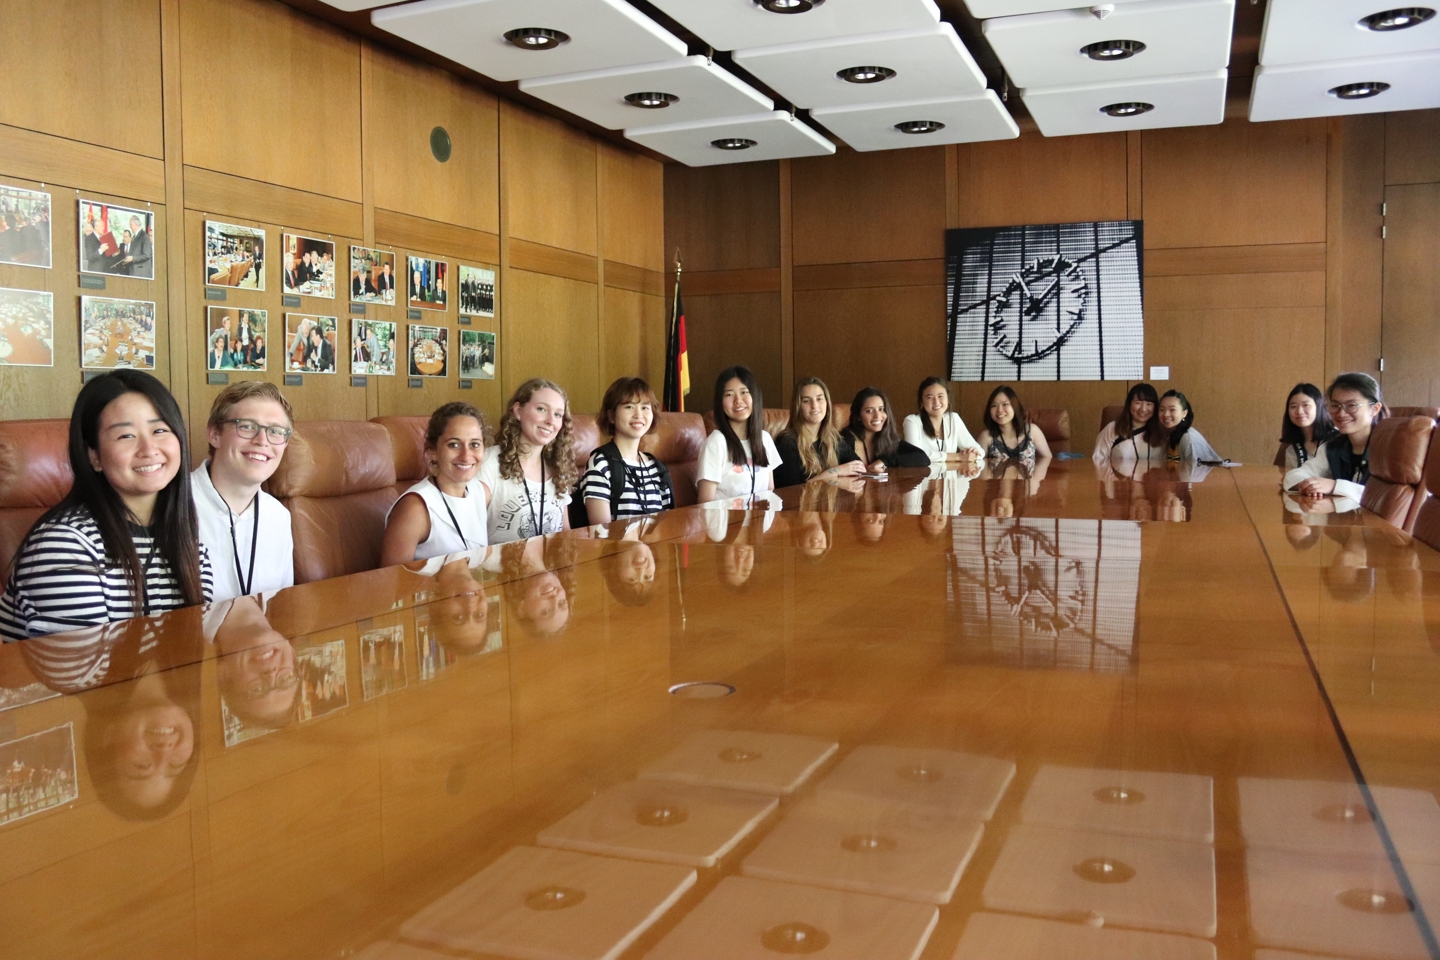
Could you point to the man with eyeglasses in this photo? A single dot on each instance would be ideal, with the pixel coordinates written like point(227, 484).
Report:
point(246, 530)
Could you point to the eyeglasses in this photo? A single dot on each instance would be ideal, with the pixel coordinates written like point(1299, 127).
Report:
point(1352, 407)
point(249, 430)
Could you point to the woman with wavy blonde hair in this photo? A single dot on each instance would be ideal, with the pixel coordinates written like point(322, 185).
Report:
point(810, 445)
point(531, 468)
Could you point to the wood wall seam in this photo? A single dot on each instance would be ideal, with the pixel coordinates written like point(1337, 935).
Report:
point(623, 276)
point(553, 261)
point(45, 158)
point(221, 193)
point(880, 273)
point(395, 229)
point(704, 283)
point(1259, 258)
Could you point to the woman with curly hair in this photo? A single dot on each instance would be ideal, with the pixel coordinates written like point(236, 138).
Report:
point(530, 470)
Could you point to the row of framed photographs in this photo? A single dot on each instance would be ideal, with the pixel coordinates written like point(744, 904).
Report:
point(115, 241)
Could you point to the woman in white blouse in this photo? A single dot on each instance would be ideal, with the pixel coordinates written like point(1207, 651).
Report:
point(937, 429)
point(1137, 434)
point(1341, 467)
point(738, 457)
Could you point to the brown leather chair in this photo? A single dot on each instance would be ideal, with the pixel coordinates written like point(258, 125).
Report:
point(1426, 528)
point(1054, 423)
point(1432, 412)
point(585, 434)
point(34, 476)
point(1110, 414)
point(338, 480)
point(1398, 449)
point(407, 447)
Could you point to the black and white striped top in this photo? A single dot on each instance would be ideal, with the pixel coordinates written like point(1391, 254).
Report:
point(62, 581)
point(644, 491)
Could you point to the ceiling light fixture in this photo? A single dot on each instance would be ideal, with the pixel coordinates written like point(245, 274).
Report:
point(536, 38)
point(865, 74)
point(1360, 91)
point(919, 126)
point(1112, 49)
point(789, 6)
point(733, 143)
point(1399, 19)
point(651, 101)
point(1129, 108)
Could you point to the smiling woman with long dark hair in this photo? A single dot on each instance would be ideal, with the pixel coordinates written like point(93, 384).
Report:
point(1137, 433)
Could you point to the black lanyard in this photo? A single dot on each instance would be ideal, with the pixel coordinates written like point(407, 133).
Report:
point(145, 574)
point(247, 580)
point(1300, 455)
point(464, 540)
point(539, 525)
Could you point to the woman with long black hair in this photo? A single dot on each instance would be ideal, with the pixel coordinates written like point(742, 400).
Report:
point(1341, 465)
point(1137, 433)
point(874, 438)
point(124, 541)
point(1183, 442)
point(1307, 424)
point(937, 429)
point(738, 458)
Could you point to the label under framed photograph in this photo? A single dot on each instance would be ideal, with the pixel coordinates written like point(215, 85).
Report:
point(24, 227)
point(372, 348)
point(117, 334)
point(236, 338)
point(428, 350)
point(311, 343)
point(477, 354)
point(308, 266)
point(427, 283)
point(116, 241)
point(234, 256)
point(477, 291)
point(372, 275)
point(39, 773)
point(27, 328)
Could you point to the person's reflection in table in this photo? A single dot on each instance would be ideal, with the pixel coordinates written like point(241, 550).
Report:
point(256, 667)
point(630, 574)
point(813, 534)
point(540, 582)
point(1300, 532)
point(1349, 577)
point(460, 619)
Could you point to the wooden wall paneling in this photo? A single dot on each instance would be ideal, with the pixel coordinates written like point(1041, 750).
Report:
point(632, 205)
point(410, 100)
point(538, 258)
point(1412, 294)
point(368, 146)
point(550, 170)
point(787, 284)
point(175, 246)
point(1412, 147)
point(1134, 182)
point(634, 337)
point(50, 159)
point(1356, 190)
point(638, 279)
point(1228, 291)
point(723, 218)
point(403, 230)
point(84, 71)
point(704, 283)
point(227, 195)
point(885, 205)
point(952, 186)
point(285, 112)
point(725, 330)
point(1035, 179)
point(884, 273)
point(1264, 258)
point(552, 328)
point(1236, 183)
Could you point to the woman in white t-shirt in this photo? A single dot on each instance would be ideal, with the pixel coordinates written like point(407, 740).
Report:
point(738, 457)
point(937, 429)
point(446, 512)
point(531, 468)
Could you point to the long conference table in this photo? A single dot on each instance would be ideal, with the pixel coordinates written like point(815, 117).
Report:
point(928, 717)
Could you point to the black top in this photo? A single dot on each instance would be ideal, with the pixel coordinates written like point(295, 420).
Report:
point(792, 469)
point(905, 455)
point(1345, 463)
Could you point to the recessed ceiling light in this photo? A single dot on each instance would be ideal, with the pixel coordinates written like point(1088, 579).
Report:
point(1129, 108)
point(652, 100)
point(789, 6)
point(1112, 49)
point(733, 143)
point(1360, 91)
point(1399, 19)
point(536, 38)
point(919, 126)
point(865, 74)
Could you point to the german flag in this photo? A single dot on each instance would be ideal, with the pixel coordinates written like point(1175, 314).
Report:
point(677, 356)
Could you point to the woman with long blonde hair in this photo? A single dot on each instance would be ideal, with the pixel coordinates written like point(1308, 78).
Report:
point(810, 445)
point(531, 468)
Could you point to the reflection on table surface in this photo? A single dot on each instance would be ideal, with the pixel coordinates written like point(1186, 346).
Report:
point(1054, 732)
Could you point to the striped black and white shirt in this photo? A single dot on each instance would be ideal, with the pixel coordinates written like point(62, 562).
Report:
point(62, 580)
point(645, 491)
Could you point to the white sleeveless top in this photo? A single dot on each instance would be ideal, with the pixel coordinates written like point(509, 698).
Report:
point(469, 512)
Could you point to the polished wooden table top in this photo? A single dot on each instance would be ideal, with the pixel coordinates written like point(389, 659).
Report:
point(997, 717)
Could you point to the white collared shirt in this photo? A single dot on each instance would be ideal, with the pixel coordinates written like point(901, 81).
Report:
point(274, 552)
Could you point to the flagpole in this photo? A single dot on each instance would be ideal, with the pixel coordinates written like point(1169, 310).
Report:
point(672, 344)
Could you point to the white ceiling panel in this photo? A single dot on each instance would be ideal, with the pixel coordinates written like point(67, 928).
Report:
point(776, 135)
point(1302, 90)
point(1302, 31)
point(353, 5)
point(706, 91)
point(1180, 36)
point(966, 120)
point(740, 24)
point(1185, 101)
point(929, 62)
point(603, 34)
point(985, 9)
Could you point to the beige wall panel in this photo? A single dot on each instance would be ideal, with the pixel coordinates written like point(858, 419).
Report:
point(856, 207)
point(271, 95)
point(222, 194)
point(634, 337)
point(1242, 290)
point(84, 70)
point(725, 217)
point(552, 331)
point(1412, 146)
point(550, 172)
point(1364, 164)
point(41, 157)
point(1237, 183)
point(724, 330)
point(1035, 179)
point(632, 208)
point(410, 100)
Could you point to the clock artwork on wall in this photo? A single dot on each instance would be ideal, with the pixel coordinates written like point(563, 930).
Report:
point(1058, 301)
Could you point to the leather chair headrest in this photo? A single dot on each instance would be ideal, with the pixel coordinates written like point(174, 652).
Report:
point(678, 437)
point(407, 443)
point(585, 433)
point(332, 458)
point(1398, 447)
point(1110, 414)
point(775, 420)
point(34, 463)
point(1432, 412)
point(1053, 422)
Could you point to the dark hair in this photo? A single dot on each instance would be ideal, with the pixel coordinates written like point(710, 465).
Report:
point(1022, 419)
point(754, 427)
point(1363, 384)
point(887, 440)
point(627, 390)
point(628, 594)
point(1152, 433)
point(441, 418)
point(926, 384)
point(1184, 425)
point(173, 524)
point(1321, 430)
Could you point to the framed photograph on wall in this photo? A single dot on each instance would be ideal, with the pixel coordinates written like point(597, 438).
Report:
point(236, 338)
point(117, 241)
point(477, 355)
point(372, 348)
point(24, 227)
point(311, 343)
point(324, 686)
point(428, 284)
point(429, 351)
point(382, 660)
point(39, 773)
point(27, 328)
point(372, 275)
point(477, 291)
point(234, 256)
point(308, 266)
point(117, 334)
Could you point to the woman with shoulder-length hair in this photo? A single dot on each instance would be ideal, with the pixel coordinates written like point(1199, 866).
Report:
point(1341, 466)
point(1306, 425)
point(124, 542)
point(810, 444)
point(1137, 433)
point(872, 435)
point(1008, 433)
point(530, 470)
point(739, 457)
point(620, 480)
point(1183, 441)
point(937, 429)
point(447, 511)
